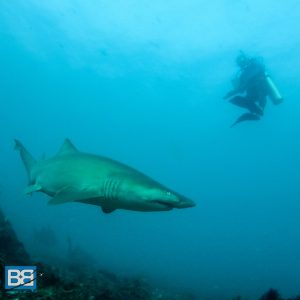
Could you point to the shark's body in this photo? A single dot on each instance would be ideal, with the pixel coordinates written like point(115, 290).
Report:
point(72, 175)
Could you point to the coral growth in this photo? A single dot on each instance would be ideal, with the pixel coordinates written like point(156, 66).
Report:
point(66, 283)
point(271, 295)
point(76, 282)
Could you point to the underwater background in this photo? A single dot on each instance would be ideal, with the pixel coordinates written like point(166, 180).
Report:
point(142, 82)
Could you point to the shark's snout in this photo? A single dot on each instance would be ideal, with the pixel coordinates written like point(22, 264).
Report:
point(185, 203)
point(174, 201)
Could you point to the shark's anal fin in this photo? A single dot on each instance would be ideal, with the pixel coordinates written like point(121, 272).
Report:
point(32, 188)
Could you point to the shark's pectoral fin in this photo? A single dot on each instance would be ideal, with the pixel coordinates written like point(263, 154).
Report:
point(32, 188)
point(70, 194)
point(107, 209)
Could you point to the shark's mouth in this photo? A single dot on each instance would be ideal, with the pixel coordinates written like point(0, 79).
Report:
point(172, 204)
point(164, 204)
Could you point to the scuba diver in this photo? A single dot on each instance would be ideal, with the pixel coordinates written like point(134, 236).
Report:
point(252, 85)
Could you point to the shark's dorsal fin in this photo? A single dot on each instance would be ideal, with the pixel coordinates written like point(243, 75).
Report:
point(67, 148)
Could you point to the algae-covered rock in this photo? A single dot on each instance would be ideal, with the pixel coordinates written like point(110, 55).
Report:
point(12, 250)
point(65, 282)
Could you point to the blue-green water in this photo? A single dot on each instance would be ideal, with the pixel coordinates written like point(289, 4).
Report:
point(142, 82)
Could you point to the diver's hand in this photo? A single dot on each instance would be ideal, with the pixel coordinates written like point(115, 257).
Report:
point(229, 94)
point(226, 96)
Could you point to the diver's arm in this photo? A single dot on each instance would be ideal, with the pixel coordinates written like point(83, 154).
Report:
point(239, 85)
point(240, 89)
point(230, 94)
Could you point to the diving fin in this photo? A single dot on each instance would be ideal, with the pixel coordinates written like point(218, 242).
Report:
point(246, 117)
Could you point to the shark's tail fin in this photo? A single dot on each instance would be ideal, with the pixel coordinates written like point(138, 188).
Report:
point(26, 157)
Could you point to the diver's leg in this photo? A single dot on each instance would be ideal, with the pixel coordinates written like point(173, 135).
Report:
point(248, 103)
point(253, 107)
point(262, 102)
point(239, 101)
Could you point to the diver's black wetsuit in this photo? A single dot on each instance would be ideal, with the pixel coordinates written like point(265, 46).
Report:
point(252, 82)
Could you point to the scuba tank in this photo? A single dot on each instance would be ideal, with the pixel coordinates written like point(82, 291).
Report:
point(273, 91)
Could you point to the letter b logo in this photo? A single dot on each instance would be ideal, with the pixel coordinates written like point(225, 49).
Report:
point(20, 277)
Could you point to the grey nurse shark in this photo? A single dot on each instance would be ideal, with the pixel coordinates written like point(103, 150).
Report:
point(74, 176)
